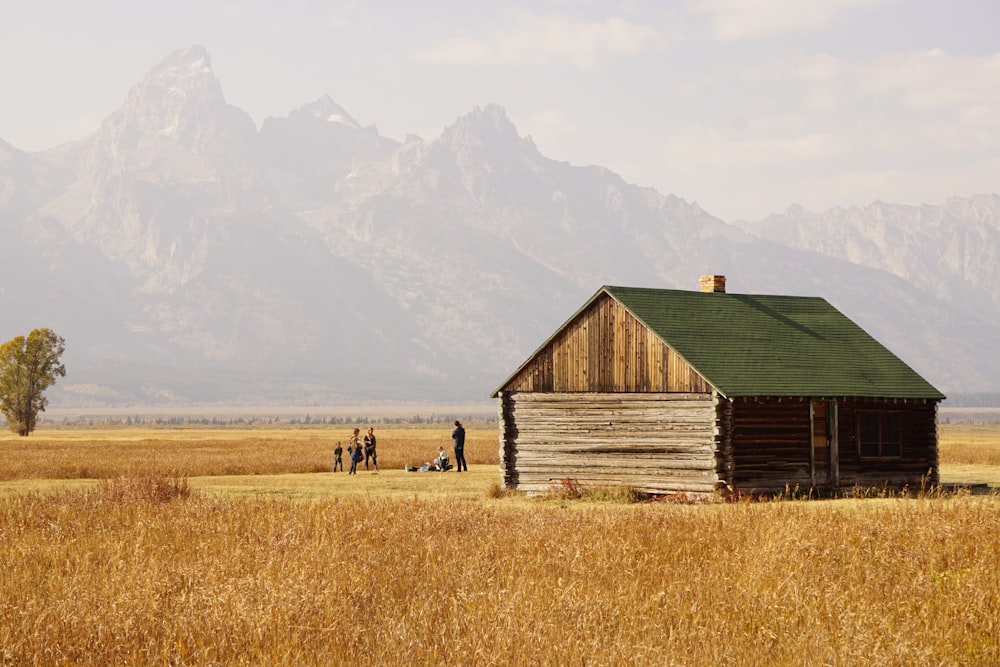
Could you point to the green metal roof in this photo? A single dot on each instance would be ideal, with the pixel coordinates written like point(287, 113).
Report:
point(764, 345)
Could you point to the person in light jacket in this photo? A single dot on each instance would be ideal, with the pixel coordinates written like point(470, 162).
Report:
point(354, 449)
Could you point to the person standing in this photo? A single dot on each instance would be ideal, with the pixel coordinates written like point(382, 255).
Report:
point(370, 448)
point(458, 436)
point(354, 449)
point(338, 457)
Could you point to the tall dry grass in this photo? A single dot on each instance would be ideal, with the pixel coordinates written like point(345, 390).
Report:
point(140, 572)
point(973, 444)
point(196, 452)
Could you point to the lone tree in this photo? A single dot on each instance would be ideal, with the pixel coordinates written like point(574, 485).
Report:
point(28, 366)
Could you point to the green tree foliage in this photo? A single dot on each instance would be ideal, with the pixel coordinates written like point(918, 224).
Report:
point(28, 366)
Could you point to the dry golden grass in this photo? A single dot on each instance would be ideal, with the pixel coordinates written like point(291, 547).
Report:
point(103, 454)
point(144, 571)
point(108, 453)
point(969, 444)
point(281, 565)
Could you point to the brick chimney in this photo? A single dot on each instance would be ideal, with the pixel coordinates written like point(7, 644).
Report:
point(713, 284)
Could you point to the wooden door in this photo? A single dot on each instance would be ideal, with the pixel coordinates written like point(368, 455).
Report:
point(824, 469)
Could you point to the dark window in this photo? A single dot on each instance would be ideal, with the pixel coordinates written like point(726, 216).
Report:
point(879, 435)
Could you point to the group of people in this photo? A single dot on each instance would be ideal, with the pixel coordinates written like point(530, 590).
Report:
point(358, 450)
point(363, 449)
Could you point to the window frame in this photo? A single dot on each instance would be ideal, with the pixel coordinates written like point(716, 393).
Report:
point(884, 431)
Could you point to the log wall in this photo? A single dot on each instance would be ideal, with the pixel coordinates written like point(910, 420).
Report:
point(653, 442)
point(771, 442)
point(919, 459)
point(605, 349)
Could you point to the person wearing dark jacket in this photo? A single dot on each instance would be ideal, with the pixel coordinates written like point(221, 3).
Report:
point(458, 436)
point(370, 449)
point(338, 457)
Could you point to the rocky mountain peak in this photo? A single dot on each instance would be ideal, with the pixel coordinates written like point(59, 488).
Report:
point(177, 107)
point(175, 129)
point(326, 110)
point(183, 83)
point(487, 127)
point(192, 61)
point(980, 207)
point(196, 258)
point(178, 102)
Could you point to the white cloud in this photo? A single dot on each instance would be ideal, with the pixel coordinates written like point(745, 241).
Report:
point(699, 147)
point(343, 15)
point(938, 82)
point(732, 20)
point(544, 39)
point(820, 67)
point(910, 127)
point(946, 99)
point(338, 21)
point(892, 105)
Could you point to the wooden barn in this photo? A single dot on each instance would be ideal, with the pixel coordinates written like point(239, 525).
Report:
point(695, 391)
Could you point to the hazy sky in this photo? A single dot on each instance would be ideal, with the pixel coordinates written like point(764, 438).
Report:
point(744, 106)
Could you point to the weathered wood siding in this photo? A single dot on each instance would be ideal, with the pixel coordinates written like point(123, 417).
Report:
point(919, 456)
point(771, 442)
point(657, 443)
point(605, 349)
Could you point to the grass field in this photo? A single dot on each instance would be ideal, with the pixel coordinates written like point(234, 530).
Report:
point(239, 547)
point(287, 460)
point(106, 453)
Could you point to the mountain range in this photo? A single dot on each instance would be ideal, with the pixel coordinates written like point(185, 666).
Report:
point(189, 257)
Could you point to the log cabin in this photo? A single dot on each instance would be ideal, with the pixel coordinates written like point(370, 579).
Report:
point(670, 391)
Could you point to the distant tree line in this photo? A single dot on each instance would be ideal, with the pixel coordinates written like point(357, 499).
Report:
point(251, 420)
point(979, 400)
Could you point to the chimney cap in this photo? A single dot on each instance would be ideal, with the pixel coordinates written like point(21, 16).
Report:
point(713, 283)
